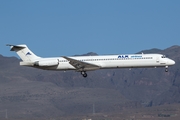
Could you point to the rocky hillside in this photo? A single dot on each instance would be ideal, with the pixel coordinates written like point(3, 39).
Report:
point(29, 92)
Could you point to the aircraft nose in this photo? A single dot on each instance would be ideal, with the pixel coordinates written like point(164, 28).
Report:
point(171, 62)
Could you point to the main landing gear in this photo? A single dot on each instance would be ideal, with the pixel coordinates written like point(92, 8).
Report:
point(83, 73)
point(166, 68)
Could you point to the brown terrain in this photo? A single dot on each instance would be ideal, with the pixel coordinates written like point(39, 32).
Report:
point(116, 94)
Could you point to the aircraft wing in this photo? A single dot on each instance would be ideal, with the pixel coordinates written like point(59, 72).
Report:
point(81, 66)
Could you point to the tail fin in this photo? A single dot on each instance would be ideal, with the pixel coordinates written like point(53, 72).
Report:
point(24, 53)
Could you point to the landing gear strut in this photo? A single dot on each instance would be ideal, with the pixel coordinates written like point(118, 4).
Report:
point(83, 73)
point(166, 69)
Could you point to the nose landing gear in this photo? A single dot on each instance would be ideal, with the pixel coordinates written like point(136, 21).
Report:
point(83, 73)
point(166, 68)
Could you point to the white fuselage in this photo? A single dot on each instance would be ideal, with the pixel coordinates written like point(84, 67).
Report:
point(110, 61)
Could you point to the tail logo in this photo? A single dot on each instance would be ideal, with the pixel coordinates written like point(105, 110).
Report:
point(28, 53)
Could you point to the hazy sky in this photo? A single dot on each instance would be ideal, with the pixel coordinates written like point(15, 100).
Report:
point(69, 27)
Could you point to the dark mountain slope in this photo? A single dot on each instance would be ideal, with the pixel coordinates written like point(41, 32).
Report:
point(51, 93)
point(32, 93)
point(172, 94)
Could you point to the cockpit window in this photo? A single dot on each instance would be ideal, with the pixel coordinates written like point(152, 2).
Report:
point(163, 56)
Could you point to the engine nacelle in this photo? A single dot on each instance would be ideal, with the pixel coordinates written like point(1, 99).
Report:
point(46, 63)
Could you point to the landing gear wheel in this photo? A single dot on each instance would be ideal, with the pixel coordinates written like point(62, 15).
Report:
point(84, 74)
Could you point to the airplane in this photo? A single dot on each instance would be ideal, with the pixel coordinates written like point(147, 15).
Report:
point(83, 64)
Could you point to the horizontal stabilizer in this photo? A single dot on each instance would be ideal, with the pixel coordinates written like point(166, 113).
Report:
point(16, 47)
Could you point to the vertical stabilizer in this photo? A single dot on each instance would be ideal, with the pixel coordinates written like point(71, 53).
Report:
point(23, 52)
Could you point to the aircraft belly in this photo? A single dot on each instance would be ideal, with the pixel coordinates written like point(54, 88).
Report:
point(110, 64)
point(65, 66)
point(128, 64)
point(137, 63)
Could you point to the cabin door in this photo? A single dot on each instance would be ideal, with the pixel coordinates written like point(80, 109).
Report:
point(157, 59)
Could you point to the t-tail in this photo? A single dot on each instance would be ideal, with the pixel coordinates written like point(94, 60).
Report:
point(24, 53)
